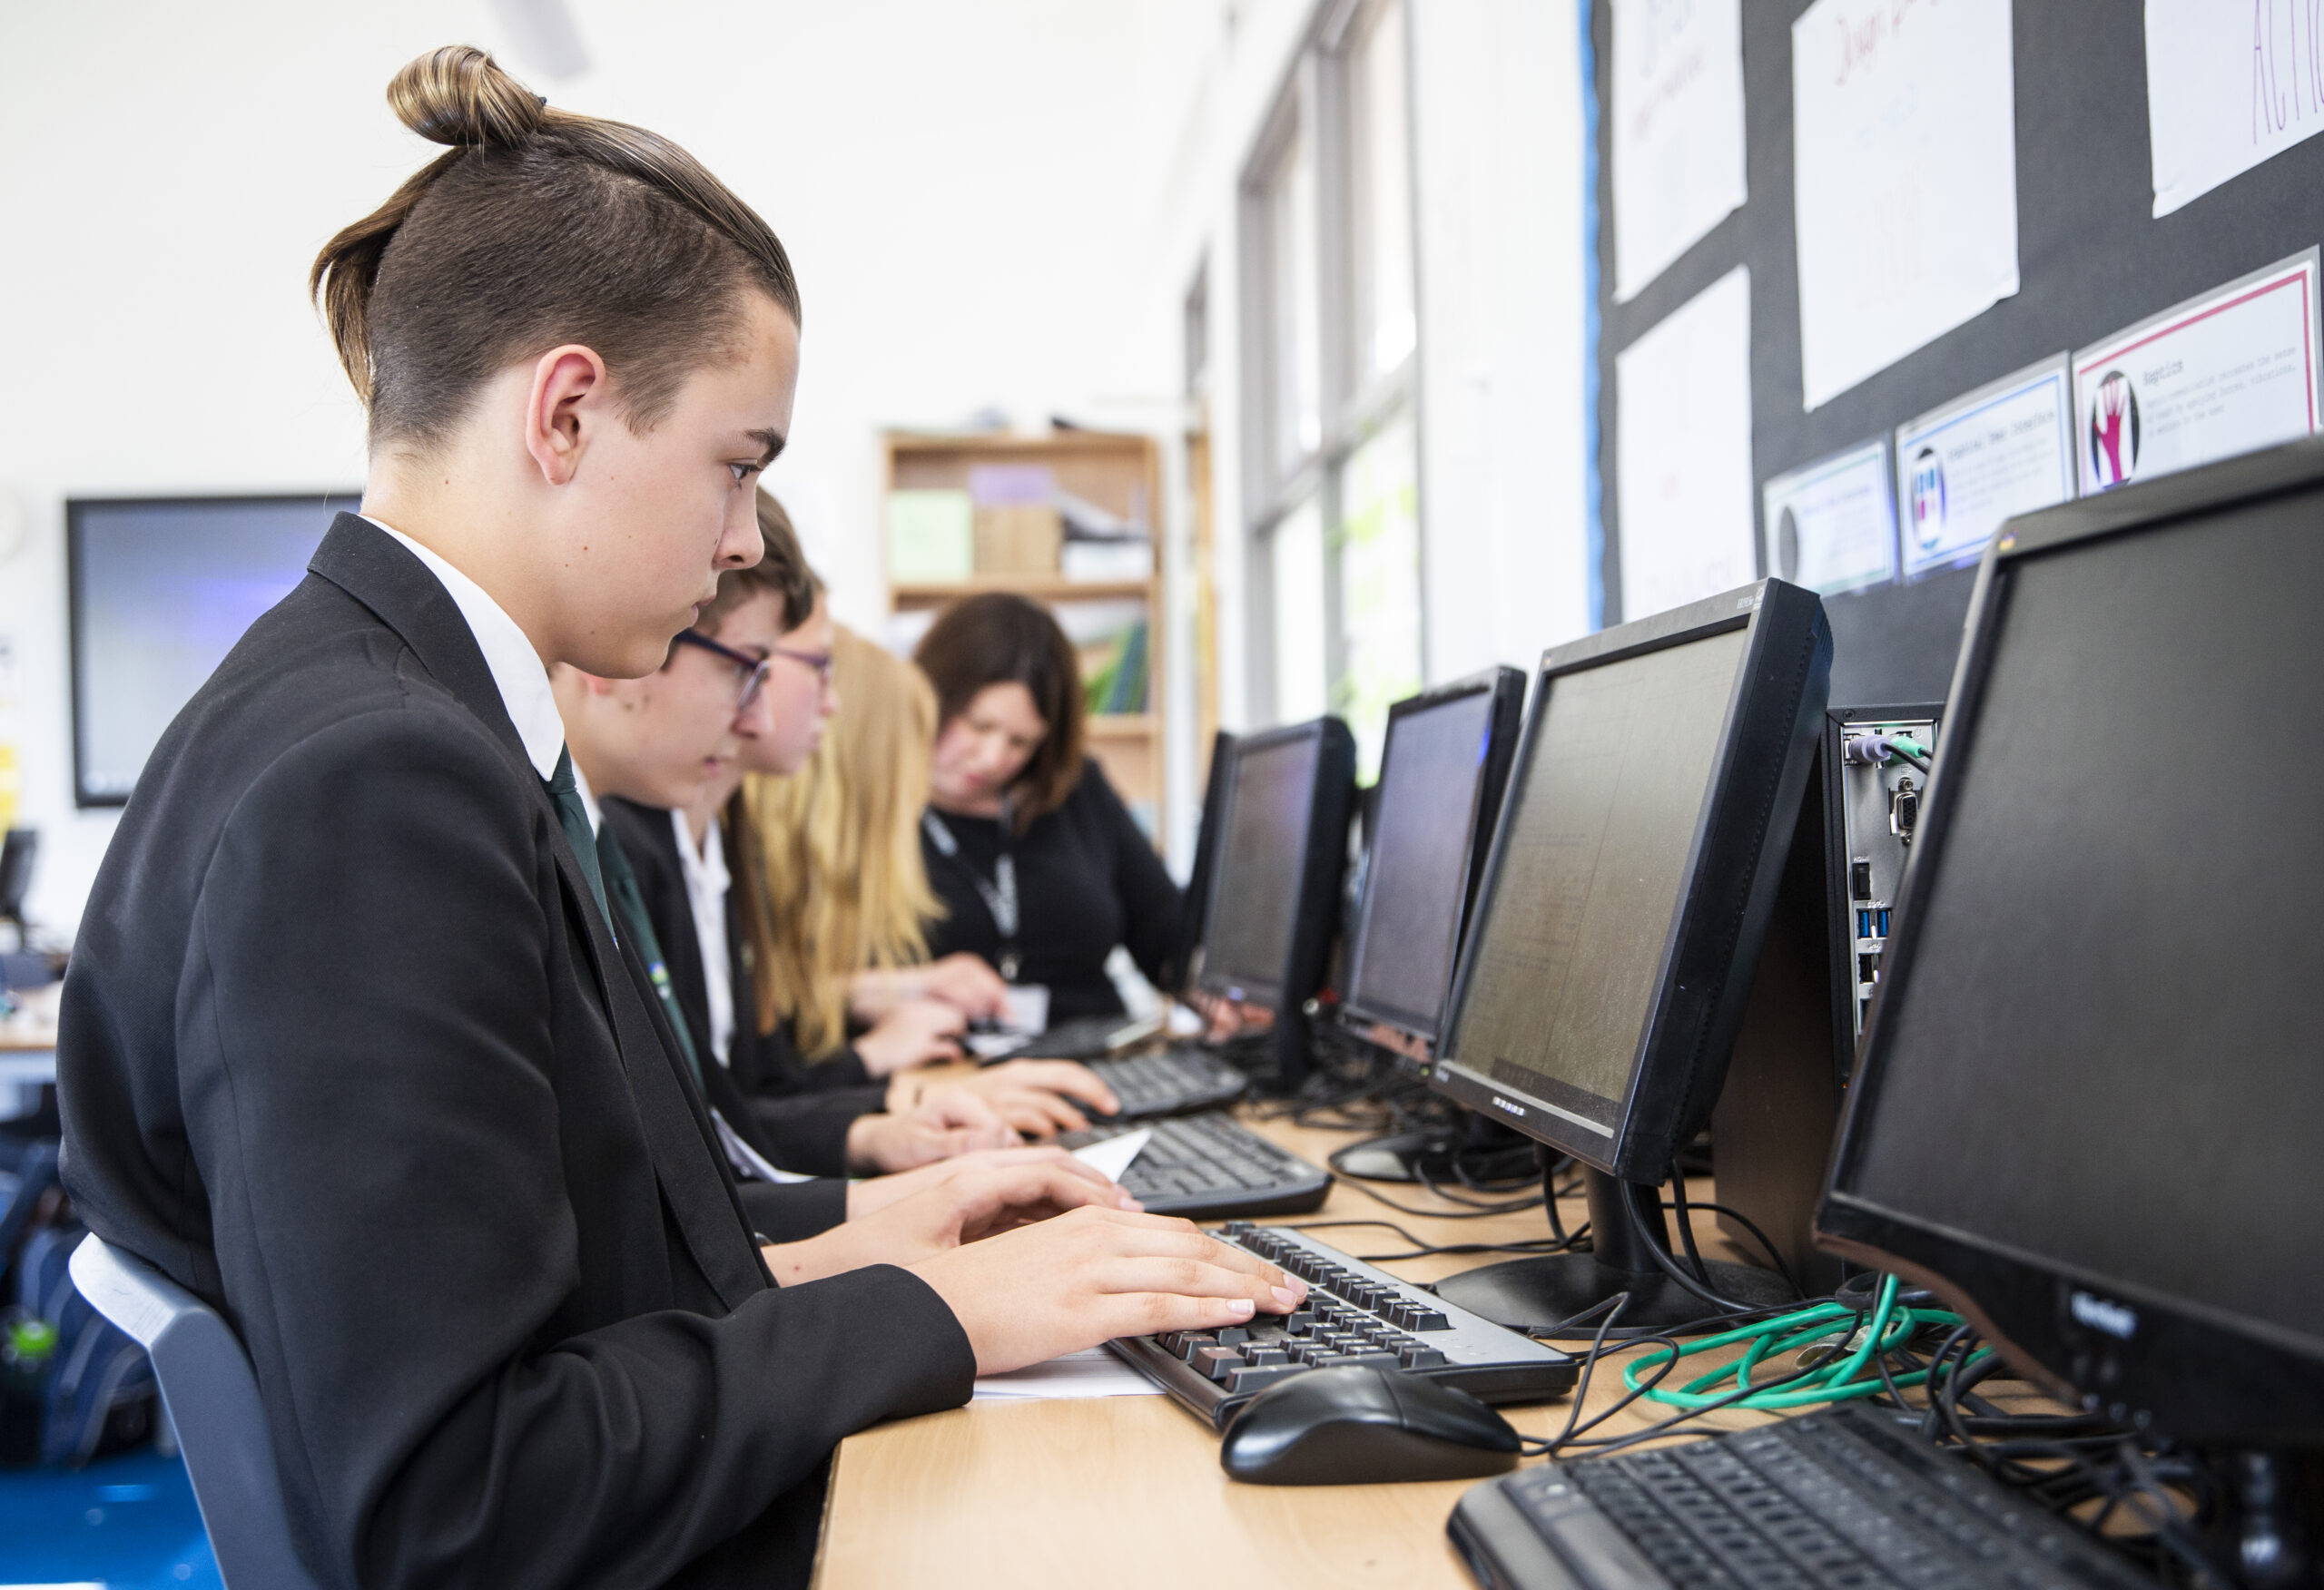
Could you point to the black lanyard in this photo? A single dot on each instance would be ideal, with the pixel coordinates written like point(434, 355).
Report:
point(998, 892)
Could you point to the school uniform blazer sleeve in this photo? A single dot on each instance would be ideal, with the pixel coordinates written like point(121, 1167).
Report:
point(338, 1055)
point(791, 1211)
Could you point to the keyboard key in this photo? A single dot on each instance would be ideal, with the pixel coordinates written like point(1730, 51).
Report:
point(1420, 1358)
point(1259, 1377)
point(1217, 1363)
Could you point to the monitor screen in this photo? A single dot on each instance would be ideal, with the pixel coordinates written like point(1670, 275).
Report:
point(2098, 1056)
point(1567, 951)
point(161, 591)
point(1254, 897)
point(1410, 920)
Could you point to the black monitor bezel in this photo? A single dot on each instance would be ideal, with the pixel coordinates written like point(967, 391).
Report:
point(1194, 931)
point(2182, 1367)
point(1710, 950)
point(75, 510)
point(1394, 1029)
point(1314, 915)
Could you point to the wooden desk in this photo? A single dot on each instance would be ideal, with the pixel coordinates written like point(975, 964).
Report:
point(1128, 1490)
point(28, 1050)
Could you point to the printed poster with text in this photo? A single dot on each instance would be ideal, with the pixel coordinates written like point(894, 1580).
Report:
point(1963, 467)
point(1831, 526)
point(2230, 372)
point(1904, 176)
point(2227, 87)
point(1682, 451)
point(1677, 92)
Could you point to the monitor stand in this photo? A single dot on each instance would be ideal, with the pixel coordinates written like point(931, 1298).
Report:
point(1542, 1294)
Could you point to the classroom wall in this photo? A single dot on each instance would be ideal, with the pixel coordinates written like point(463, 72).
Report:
point(967, 191)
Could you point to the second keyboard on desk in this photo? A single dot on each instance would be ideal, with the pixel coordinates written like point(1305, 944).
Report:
point(1175, 1081)
point(1354, 1314)
point(1211, 1165)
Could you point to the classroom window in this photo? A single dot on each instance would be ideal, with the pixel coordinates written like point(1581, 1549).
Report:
point(1333, 503)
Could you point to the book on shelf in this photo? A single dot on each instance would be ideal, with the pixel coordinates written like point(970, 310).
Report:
point(1114, 673)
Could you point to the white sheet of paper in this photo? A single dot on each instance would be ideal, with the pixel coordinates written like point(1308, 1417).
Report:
point(1832, 526)
point(2231, 371)
point(1091, 1373)
point(1113, 1155)
point(1963, 467)
point(1903, 177)
point(1682, 455)
point(1676, 88)
point(1028, 1008)
point(2227, 87)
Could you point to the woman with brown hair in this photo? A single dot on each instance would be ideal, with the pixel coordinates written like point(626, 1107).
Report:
point(1041, 868)
point(350, 1049)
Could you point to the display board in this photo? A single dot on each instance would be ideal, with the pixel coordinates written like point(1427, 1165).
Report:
point(2093, 264)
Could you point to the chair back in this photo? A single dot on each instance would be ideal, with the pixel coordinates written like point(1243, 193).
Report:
point(212, 1398)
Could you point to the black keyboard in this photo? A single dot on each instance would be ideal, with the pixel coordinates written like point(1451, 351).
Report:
point(1176, 1081)
point(1354, 1314)
point(1839, 1498)
point(1085, 1037)
point(1211, 1166)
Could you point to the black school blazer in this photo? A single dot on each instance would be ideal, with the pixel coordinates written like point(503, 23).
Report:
point(347, 1051)
point(795, 1113)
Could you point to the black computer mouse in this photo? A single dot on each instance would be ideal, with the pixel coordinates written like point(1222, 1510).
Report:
point(1364, 1427)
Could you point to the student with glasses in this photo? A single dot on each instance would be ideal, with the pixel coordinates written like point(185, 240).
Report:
point(645, 751)
point(351, 1049)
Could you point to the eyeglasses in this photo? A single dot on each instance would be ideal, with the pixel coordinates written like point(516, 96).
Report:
point(821, 662)
point(749, 672)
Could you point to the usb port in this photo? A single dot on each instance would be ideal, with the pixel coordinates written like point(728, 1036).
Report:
point(1882, 917)
point(1864, 924)
point(1867, 969)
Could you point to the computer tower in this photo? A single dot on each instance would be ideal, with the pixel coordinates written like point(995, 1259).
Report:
point(1771, 1132)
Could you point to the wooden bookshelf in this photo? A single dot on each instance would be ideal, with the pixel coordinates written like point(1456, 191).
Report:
point(1118, 472)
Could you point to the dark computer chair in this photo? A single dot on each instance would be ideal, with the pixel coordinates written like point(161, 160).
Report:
point(212, 1394)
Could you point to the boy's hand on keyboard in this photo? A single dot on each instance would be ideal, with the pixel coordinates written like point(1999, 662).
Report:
point(945, 1121)
point(1094, 1274)
point(1038, 1096)
point(973, 1205)
point(875, 1193)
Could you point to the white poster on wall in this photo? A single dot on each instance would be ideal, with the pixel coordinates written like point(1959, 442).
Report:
point(1831, 526)
point(1905, 179)
point(2227, 87)
point(1677, 86)
point(1682, 451)
point(1965, 467)
point(2228, 372)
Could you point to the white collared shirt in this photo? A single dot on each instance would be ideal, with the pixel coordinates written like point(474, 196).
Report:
point(517, 668)
point(708, 881)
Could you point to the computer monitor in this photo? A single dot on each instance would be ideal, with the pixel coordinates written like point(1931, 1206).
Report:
point(1819, 965)
point(1186, 961)
point(1443, 764)
point(1275, 893)
point(1632, 873)
point(2086, 1110)
point(160, 588)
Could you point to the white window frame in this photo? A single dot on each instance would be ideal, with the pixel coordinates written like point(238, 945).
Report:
point(1314, 99)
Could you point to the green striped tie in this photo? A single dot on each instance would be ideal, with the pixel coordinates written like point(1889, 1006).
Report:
point(621, 879)
point(565, 796)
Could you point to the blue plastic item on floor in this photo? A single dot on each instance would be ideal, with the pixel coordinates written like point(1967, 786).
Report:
point(125, 1523)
